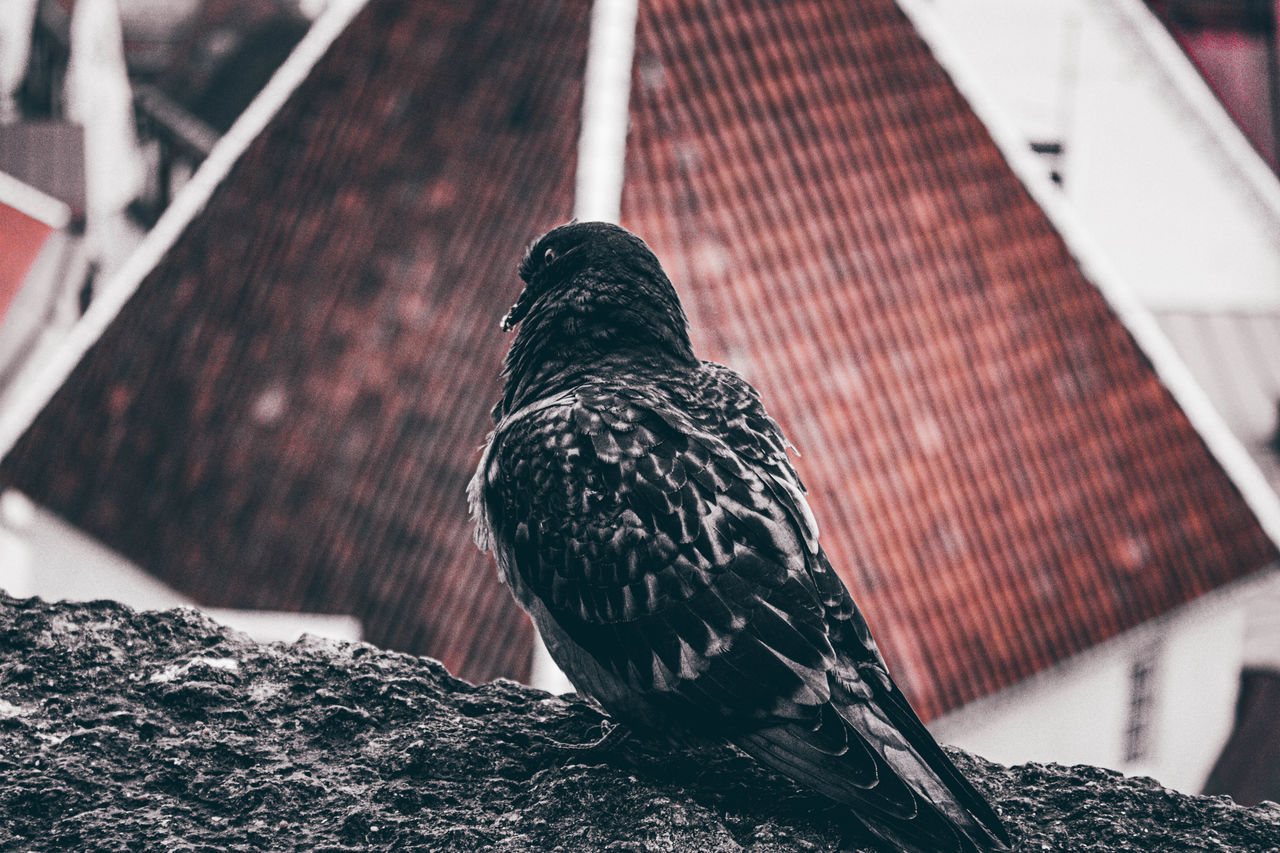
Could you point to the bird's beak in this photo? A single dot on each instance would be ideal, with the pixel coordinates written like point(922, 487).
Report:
point(518, 310)
point(509, 319)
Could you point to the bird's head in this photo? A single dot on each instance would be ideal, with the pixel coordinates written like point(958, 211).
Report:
point(599, 282)
point(592, 290)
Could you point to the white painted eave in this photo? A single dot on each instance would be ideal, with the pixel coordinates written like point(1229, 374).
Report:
point(1098, 269)
point(31, 202)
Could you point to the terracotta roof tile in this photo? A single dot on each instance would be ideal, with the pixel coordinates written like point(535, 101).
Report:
point(996, 468)
point(285, 414)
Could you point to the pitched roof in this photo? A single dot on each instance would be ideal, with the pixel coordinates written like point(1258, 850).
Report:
point(996, 468)
point(282, 413)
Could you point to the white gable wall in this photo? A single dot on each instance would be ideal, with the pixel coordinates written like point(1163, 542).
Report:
point(1079, 712)
point(41, 555)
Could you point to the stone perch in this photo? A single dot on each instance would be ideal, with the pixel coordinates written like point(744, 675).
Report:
point(165, 731)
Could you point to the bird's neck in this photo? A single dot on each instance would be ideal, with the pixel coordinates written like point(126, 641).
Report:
point(547, 358)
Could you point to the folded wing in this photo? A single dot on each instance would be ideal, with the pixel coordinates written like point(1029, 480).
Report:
point(666, 536)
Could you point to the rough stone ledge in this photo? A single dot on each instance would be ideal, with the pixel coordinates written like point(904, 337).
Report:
point(138, 731)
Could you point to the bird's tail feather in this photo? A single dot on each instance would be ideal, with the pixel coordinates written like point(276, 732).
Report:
point(893, 790)
point(894, 706)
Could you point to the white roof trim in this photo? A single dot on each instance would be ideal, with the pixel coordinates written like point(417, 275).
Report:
point(1197, 102)
point(1140, 322)
point(20, 411)
point(29, 201)
point(606, 95)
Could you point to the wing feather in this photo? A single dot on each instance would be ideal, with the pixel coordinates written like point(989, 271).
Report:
point(642, 492)
point(665, 546)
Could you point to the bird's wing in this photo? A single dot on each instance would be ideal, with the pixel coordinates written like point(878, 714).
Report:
point(662, 551)
point(667, 536)
point(868, 748)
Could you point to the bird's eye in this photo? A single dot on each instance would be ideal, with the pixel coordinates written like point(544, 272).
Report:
point(549, 256)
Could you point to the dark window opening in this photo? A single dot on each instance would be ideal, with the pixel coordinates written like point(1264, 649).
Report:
point(1142, 706)
point(1051, 151)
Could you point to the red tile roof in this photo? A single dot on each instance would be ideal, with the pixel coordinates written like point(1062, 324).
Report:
point(996, 469)
point(24, 237)
point(283, 414)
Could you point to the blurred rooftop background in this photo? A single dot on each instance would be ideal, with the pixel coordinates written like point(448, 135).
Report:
point(1008, 274)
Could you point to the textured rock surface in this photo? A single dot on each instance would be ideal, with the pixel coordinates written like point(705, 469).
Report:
point(131, 731)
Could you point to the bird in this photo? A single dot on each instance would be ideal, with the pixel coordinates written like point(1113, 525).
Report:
point(642, 507)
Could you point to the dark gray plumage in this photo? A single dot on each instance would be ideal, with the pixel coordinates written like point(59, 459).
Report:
point(641, 506)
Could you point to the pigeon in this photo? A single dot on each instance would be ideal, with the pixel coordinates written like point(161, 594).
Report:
point(641, 505)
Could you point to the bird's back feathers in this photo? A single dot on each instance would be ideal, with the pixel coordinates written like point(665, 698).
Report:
point(666, 541)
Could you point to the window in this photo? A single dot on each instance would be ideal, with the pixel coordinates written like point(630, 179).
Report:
point(1051, 151)
point(1142, 705)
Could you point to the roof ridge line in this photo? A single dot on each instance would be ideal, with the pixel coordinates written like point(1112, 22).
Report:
point(20, 412)
point(1097, 269)
point(606, 105)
